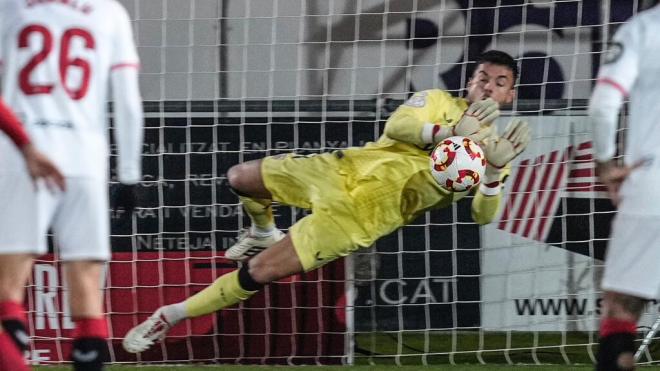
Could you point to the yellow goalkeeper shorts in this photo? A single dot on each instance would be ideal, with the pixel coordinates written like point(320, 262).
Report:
point(341, 220)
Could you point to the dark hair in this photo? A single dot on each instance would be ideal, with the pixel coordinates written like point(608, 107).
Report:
point(500, 58)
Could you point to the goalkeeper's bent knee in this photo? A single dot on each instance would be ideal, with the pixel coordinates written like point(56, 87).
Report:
point(237, 192)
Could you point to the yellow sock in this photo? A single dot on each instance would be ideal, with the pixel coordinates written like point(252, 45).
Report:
point(260, 211)
point(224, 292)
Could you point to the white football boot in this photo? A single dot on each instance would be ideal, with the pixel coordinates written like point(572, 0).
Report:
point(147, 333)
point(249, 245)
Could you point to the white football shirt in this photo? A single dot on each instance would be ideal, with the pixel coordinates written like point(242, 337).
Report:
point(58, 58)
point(632, 66)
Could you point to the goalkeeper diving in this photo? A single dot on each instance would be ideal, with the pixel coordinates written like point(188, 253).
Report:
point(364, 194)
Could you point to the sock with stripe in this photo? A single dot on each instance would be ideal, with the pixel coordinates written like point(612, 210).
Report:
point(10, 357)
point(90, 348)
point(617, 345)
point(14, 322)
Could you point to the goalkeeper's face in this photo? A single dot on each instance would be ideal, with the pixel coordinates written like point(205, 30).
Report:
point(491, 81)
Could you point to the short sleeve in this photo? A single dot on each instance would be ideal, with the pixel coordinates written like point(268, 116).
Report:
point(620, 65)
point(124, 52)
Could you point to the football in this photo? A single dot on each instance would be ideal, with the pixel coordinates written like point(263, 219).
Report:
point(457, 163)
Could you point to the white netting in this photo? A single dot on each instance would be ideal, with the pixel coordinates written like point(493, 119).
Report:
point(229, 81)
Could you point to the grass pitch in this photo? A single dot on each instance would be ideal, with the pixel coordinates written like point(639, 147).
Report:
point(465, 351)
point(350, 368)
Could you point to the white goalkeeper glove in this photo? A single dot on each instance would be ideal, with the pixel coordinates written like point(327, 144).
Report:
point(501, 150)
point(475, 123)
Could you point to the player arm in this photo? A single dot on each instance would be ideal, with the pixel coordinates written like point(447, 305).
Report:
point(487, 198)
point(10, 124)
point(129, 118)
point(616, 77)
point(38, 165)
point(129, 124)
point(604, 105)
point(416, 121)
point(500, 151)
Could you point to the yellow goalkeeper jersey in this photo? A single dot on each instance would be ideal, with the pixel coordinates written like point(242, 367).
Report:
point(368, 192)
point(390, 179)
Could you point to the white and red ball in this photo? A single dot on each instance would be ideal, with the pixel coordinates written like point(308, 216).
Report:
point(458, 163)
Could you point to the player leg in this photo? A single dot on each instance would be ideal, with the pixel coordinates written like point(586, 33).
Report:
point(14, 272)
point(23, 224)
point(84, 280)
point(275, 262)
point(311, 243)
point(618, 329)
point(290, 179)
point(10, 357)
point(81, 227)
point(246, 181)
point(628, 280)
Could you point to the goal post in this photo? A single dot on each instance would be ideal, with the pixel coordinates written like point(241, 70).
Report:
point(229, 81)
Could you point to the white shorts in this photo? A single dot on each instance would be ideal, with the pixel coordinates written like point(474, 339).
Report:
point(78, 217)
point(632, 264)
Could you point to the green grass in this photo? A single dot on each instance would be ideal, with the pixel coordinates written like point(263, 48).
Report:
point(446, 351)
point(352, 368)
point(476, 348)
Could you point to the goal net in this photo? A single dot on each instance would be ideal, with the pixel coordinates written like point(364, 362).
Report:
point(230, 81)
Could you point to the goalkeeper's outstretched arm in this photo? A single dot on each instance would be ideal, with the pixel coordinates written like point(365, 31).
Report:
point(499, 151)
point(487, 198)
point(432, 115)
point(417, 116)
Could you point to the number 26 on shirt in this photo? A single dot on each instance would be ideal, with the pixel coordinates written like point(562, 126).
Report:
point(65, 61)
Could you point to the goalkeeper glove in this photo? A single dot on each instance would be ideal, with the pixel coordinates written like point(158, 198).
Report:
point(124, 196)
point(476, 121)
point(500, 151)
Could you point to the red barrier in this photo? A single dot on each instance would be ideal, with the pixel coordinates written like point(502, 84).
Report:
point(291, 321)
